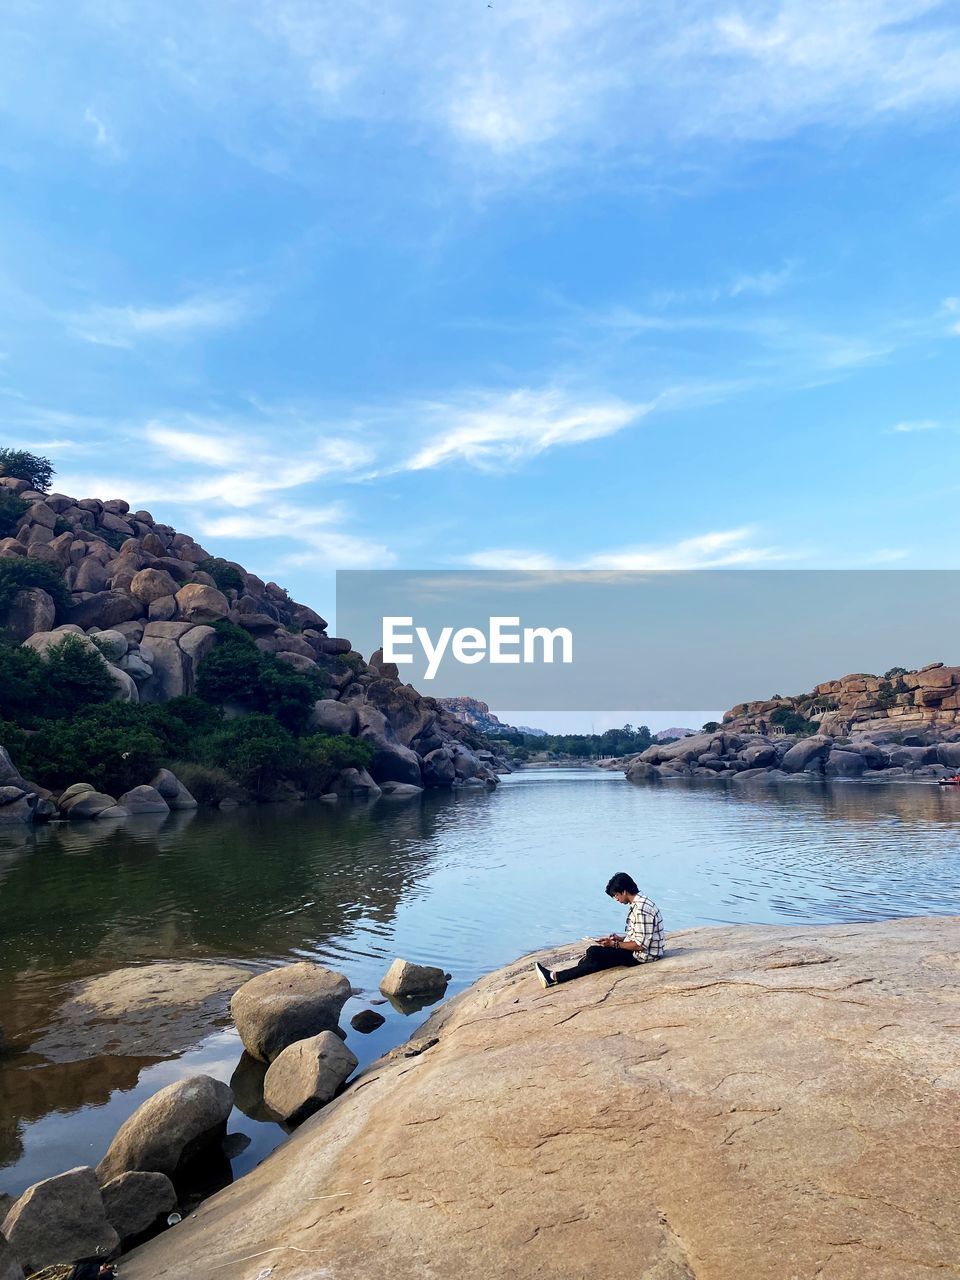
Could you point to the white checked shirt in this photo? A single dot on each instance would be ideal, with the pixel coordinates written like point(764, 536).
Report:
point(645, 928)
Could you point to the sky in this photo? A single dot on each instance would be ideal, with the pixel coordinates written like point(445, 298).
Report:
point(578, 284)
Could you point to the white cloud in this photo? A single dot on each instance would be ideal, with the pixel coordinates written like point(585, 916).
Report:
point(319, 529)
point(921, 424)
point(764, 283)
point(491, 430)
point(126, 326)
point(720, 549)
point(103, 138)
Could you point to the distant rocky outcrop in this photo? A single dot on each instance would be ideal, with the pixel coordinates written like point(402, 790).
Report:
point(900, 701)
point(764, 1102)
point(477, 715)
point(142, 598)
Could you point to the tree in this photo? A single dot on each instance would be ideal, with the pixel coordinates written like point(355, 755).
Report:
point(37, 471)
point(711, 726)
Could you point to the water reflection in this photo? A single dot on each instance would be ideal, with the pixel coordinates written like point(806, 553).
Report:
point(465, 883)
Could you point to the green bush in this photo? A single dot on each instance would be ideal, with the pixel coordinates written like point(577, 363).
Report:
point(21, 685)
point(12, 509)
point(17, 573)
point(322, 750)
point(226, 575)
point(37, 471)
point(255, 751)
point(74, 678)
point(113, 758)
point(14, 741)
point(236, 671)
point(206, 783)
point(790, 721)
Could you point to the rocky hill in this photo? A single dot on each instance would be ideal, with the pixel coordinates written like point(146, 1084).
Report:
point(150, 602)
point(477, 715)
point(900, 701)
point(764, 1102)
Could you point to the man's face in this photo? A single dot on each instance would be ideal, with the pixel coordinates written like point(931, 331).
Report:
point(620, 897)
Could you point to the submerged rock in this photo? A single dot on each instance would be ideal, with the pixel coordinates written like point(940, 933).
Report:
point(764, 1102)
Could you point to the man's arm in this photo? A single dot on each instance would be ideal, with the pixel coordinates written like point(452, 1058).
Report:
point(640, 935)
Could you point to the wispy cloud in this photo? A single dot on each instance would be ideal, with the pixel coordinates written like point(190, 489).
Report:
point(763, 283)
point(102, 136)
point(493, 430)
point(723, 548)
point(921, 424)
point(320, 530)
point(126, 326)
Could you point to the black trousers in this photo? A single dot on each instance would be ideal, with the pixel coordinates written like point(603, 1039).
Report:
point(593, 960)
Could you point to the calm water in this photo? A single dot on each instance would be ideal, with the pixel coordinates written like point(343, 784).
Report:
point(467, 882)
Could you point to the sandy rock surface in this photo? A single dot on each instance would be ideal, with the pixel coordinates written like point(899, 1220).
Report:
point(144, 1010)
point(767, 1102)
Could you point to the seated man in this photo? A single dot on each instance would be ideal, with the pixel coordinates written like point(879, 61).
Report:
point(642, 941)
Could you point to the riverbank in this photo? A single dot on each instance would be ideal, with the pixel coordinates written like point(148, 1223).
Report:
point(766, 1101)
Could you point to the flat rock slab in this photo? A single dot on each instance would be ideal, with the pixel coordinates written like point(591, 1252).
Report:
point(151, 1010)
point(769, 1102)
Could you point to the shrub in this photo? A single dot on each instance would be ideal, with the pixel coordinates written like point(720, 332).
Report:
point(712, 726)
point(12, 509)
point(791, 721)
point(230, 673)
point(37, 471)
point(895, 671)
point(206, 783)
point(74, 678)
point(226, 575)
point(13, 740)
point(255, 751)
point(17, 573)
point(21, 684)
point(112, 758)
point(112, 537)
point(337, 752)
point(237, 671)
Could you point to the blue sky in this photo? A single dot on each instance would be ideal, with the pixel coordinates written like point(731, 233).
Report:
point(580, 283)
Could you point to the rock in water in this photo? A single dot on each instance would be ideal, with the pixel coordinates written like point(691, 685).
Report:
point(170, 1129)
point(306, 1075)
point(759, 1102)
point(406, 979)
point(133, 1202)
point(367, 1020)
point(60, 1220)
point(287, 1004)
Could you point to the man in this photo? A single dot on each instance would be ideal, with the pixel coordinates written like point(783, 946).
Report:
point(642, 941)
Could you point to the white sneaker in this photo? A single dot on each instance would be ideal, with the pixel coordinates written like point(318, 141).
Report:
point(543, 973)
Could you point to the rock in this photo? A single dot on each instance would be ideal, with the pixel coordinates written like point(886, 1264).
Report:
point(296, 660)
point(144, 800)
point(105, 609)
point(126, 687)
point(805, 752)
point(367, 1020)
point(357, 784)
point(60, 1220)
point(173, 791)
point(401, 790)
point(306, 1075)
point(170, 666)
point(90, 575)
point(156, 1010)
point(163, 609)
point(198, 603)
point(135, 667)
point(10, 1268)
point(170, 1129)
point(948, 753)
point(153, 584)
point(438, 769)
point(77, 789)
point(759, 755)
point(277, 1008)
point(637, 770)
point(31, 610)
point(114, 811)
point(393, 762)
point(134, 1202)
point(791, 1116)
point(844, 764)
point(88, 804)
point(197, 643)
point(406, 979)
point(330, 716)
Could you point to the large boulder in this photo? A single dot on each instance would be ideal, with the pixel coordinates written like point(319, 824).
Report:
point(330, 716)
point(406, 979)
point(173, 791)
point(804, 753)
point(31, 610)
point(278, 1008)
point(844, 764)
point(85, 804)
point(306, 1075)
point(170, 1129)
point(790, 1095)
point(153, 584)
point(439, 769)
point(105, 609)
point(198, 603)
point(60, 1220)
point(135, 1202)
point(948, 753)
point(356, 784)
point(393, 762)
point(170, 667)
point(144, 800)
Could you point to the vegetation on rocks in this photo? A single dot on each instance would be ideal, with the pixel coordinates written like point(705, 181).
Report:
point(12, 511)
point(236, 671)
point(20, 465)
point(19, 573)
point(226, 575)
point(34, 690)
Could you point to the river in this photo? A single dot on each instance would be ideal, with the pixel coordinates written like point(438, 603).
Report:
point(466, 881)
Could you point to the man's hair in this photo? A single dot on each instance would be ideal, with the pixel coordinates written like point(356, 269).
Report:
point(621, 883)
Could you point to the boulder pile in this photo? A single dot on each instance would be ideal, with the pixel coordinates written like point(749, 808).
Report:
point(742, 758)
point(143, 598)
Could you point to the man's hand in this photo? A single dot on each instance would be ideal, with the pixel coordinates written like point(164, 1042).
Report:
point(611, 940)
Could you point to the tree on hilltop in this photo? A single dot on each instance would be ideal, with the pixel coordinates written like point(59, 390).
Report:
point(21, 465)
